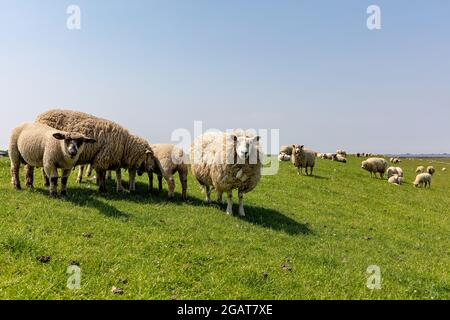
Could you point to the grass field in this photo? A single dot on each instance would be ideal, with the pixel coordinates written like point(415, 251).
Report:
point(302, 238)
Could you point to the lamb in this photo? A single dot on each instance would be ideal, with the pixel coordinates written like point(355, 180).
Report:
point(423, 179)
point(38, 145)
point(431, 170)
point(171, 160)
point(391, 171)
point(286, 150)
point(116, 148)
point(420, 169)
point(284, 157)
point(374, 166)
point(227, 161)
point(303, 158)
point(395, 179)
point(339, 158)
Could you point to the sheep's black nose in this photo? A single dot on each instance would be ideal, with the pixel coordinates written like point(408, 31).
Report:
point(72, 152)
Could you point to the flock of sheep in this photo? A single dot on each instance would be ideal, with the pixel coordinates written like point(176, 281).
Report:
point(301, 157)
point(223, 162)
point(64, 139)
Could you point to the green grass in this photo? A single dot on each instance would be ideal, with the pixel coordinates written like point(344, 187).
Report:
point(326, 230)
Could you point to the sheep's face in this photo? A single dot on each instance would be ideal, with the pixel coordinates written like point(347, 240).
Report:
point(148, 164)
point(365, 165)
point(247, 147)
point(73, 143)
point(297, 149)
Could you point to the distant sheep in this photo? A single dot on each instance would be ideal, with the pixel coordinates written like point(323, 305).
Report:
point(431, 170)
point(286, 150)
point(391, 171)
point(395, 160)
point(374, 166)
point(303, 158)
point(284, 157)
point(342, 153)
point(227, 161)
point(38, 145)
point(420, 169)
point(339, 158)
point(423, 179)
point(395, 179)
point(327, 156)
point(444, 169)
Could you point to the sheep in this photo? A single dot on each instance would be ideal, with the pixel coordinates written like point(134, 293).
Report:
point(303, 158)
point(171, 160)
point(420, 169)
point(395, 179)
point(374, 166)
point(423, 179)
point(38, 145)
point(227, 161)
point(284, 157)
point(444, 169)
point(431, 170)
point(339, 158)
point(116, 148)
point(286, 150)
point(358, 155)
point(327, 156)
point(391, 171)
point(342, 153)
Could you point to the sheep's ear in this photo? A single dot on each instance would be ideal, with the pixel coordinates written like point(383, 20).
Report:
point(293, 146)
point(59, 136)
point(235, 138)
point(302, 146)
point(89, 140)
point(150, 152)
point(257, 138)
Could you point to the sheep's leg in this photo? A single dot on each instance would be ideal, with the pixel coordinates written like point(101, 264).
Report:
point(230, 203)
point(101, 181)
point(14, 156)
point(80, 174)
point(132, 178)
point(160, 183)
point(306, 170)
point(64, 178)
point(52, 173)
point(219, 197)
point(89, 171)
point(183, 180)
point(312, 168)
point(29, 176)
point(150, 182)
point(207, 190)
point(109, 175)
point(241, 204)
point(298, 170)
point(119, 186)
point(171, 185)
point(45, 178)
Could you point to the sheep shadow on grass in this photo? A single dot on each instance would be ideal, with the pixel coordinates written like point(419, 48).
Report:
point(273, 219)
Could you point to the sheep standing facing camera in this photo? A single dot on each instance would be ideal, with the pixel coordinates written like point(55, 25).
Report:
point(38, 145)
point(227, 161)
point(303, 158)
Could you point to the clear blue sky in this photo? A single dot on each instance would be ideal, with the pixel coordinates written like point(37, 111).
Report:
point(310, 68)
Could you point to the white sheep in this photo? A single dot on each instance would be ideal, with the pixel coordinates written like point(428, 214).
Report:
point(374, 166)
point(38, 145)
point(342, 153)
point(303, 158)
point(227, 161)
point(338, 157)
point(391, 171)
point(395, 179)
point(284, 157)
point(420, 169)
point(423, 179)
point(286, 149)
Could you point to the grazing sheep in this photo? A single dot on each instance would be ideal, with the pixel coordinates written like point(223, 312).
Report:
point(374, 166)
point(284, 157)
point(358, 155)
point(327, 156)
point(171, 160)
point(431, 170)
point(116, 148)
point(391, 171)
point(38, 145)
point(395, 179)
point(423, 179)
point(227, 161)
point(303, 158)
point(339, 158)
point(286, 150)
point(420, 169)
